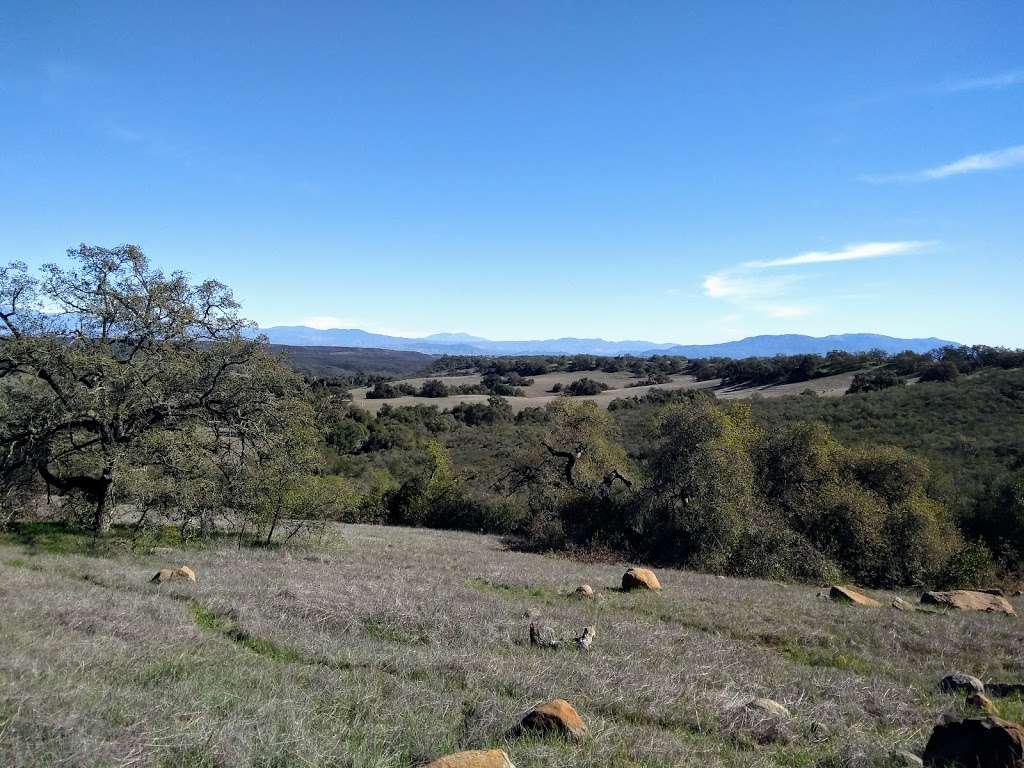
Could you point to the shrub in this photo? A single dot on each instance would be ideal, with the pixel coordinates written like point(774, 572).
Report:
point(970, 566)
point(496, 409)
point(874, 381)
point(433, 388)
point(585, 386)
point(382, 390)
point(941, 371)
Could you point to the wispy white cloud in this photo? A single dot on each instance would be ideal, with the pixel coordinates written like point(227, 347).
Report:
point(748, 287)
point(992, 82)
point(742, 286)
point(849, 253)
point(754, 292)
point(984, 161)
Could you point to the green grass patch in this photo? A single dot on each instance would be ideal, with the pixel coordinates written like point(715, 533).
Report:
point(16, 562)
point(544, 595)
point(1011, 708)
point(819, 655)
point(56, 539)
point(386, 628)
point(51, 538)
point(212, 622)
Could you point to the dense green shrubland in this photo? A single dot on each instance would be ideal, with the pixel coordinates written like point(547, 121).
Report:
point(918, 484)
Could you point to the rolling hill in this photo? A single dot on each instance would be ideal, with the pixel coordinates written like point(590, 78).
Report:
point(464, 344)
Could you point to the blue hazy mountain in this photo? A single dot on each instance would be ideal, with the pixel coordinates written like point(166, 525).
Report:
point(465, 344)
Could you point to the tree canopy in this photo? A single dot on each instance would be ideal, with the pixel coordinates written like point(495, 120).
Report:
point(119, 382)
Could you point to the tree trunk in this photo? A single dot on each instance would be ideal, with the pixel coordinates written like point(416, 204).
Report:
point(270, 533)
point(101, 520)
point(101, 517)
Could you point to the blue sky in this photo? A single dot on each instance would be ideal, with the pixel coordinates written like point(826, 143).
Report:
point(667, 171)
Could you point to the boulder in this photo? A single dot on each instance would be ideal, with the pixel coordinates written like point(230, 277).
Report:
point(475, 758)
point(584, 590)
point(172, 574)
point(767, 707)
point(976, 742)
point(640, 578)
point(902, 605)
point(982, 702)
point(969, 600)
point(555, 717)
point(845, 594)
point(958, 682)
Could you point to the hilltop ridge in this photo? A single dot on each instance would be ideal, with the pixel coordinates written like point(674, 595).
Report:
point(466, 344)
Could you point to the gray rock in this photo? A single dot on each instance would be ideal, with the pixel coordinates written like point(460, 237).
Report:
point(958, 682)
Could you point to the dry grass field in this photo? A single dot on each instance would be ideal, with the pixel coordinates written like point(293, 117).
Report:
point(539, 393)
point(389, 647)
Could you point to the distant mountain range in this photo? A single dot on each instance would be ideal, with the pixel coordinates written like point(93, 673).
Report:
point(464, 344)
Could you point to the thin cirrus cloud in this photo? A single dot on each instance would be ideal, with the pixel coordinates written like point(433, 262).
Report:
point(990, 83)
point(750, 287)
point(983, 161)
point(849, 253)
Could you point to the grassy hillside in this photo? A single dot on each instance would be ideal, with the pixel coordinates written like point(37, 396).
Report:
point(620, 384)
point(388, 647)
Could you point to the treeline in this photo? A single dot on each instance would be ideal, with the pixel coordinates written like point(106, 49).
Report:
point(504, 385)
point(884, 369)
point(945, 364)
point(536, 365)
